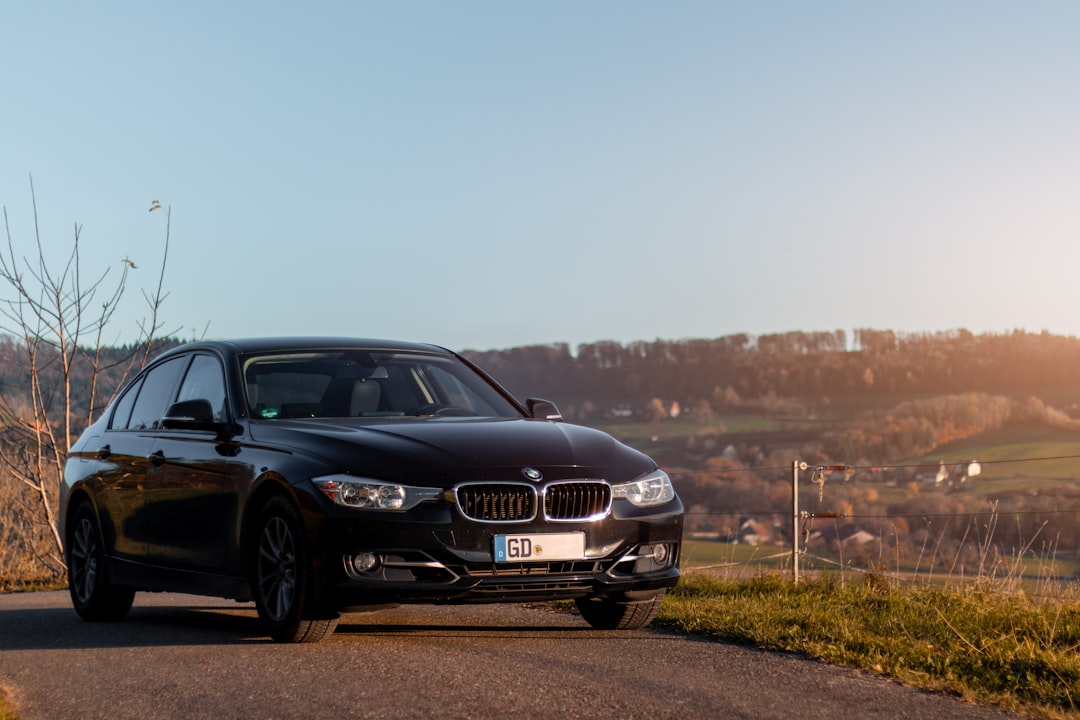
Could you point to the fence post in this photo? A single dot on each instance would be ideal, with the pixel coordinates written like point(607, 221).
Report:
point(795, 521)
point(795, 467)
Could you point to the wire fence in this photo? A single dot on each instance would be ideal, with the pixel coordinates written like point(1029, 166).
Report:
point(903, 522)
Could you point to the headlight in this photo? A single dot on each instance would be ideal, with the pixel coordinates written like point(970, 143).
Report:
point(368, 494)
point(648, 490)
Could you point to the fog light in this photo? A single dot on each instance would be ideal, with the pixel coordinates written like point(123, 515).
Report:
point(361, 563)
point(660, 554)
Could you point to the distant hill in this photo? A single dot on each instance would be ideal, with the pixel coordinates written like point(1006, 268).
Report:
point(827, 379)
point(1033, 450)
point(819, 374)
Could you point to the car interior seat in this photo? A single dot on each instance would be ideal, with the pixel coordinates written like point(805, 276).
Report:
point(366, 394)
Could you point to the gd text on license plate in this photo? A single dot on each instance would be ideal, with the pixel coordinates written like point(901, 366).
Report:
point(542, 546)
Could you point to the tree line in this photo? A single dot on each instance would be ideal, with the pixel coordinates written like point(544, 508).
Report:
point(817, 366)
point(961, 377)
point(731, 372)
point(94, 377)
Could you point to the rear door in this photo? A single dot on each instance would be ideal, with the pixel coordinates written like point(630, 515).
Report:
point(124, 453)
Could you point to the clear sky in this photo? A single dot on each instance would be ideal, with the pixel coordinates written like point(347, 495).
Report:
point(490, 174)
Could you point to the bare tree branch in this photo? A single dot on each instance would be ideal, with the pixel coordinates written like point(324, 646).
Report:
point(51, 315)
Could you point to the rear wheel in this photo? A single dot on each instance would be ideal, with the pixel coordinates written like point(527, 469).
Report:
point(95, 598)
point(611, 613)
point(282, 580)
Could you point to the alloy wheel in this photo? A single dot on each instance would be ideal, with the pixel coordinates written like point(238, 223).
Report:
point(277, 569)
point(84, 560)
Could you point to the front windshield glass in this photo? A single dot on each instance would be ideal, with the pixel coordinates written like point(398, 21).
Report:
point(360, 383)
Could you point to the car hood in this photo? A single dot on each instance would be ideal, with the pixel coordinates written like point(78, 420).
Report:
point(440, 451)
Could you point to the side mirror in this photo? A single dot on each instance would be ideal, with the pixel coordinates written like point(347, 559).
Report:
point(191, 415)
point(543, 409)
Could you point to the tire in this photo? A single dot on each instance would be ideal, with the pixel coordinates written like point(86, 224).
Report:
point(95, 598)
point(605, 613)
point(281, 577)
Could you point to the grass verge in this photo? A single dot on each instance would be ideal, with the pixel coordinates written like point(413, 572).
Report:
point(973, 640)
point(12, 585)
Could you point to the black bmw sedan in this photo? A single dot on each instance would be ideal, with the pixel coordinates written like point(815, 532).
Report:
point(317, 476)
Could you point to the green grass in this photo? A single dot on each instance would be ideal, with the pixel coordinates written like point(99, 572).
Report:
point(1011, 452)
point(731, 560)
point(972, 640)
point(698, 554)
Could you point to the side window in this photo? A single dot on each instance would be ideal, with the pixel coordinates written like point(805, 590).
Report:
point(123, 407)
point(155, 394)
point(204, 381)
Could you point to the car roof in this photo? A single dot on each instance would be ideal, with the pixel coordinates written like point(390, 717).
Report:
point(274, 344)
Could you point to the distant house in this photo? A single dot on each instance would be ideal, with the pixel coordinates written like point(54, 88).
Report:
point(855, 535)
point(754, 532)
point(845, 535)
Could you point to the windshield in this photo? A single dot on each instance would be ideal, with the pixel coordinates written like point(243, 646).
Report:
point(358, 383)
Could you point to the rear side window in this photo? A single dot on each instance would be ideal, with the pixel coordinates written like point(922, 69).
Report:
point(155, 393)
point(123, 407)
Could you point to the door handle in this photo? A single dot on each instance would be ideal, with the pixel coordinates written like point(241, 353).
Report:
point(157, 459)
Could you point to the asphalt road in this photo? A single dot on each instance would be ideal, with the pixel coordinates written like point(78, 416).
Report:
point(178, 656)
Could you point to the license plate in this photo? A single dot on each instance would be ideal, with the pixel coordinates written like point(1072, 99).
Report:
point(536, 548)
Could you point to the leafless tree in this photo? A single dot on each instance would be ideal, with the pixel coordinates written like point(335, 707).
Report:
point(58, 317)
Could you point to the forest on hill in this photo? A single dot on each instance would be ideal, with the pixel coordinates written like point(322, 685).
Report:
point(882, 397)
point(95, 373)
point(797, 374)
point(805, 371)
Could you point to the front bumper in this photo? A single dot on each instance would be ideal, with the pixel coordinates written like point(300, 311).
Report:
point(434, 555)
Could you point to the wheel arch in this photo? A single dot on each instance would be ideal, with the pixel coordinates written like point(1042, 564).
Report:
point(267, 486)
point(74, 501)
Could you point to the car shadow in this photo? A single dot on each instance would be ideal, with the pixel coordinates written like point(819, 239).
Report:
point(62, 629)
point(456, 630)
point(224, 624)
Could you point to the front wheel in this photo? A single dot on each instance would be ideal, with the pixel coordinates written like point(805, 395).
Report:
point(281, 578)
point(609, 613)
point(95, 598)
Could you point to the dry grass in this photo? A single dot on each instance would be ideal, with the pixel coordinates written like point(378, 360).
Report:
point(25, 540)
point(5, 714)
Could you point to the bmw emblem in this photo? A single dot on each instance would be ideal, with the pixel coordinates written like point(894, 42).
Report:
point(532, 474)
